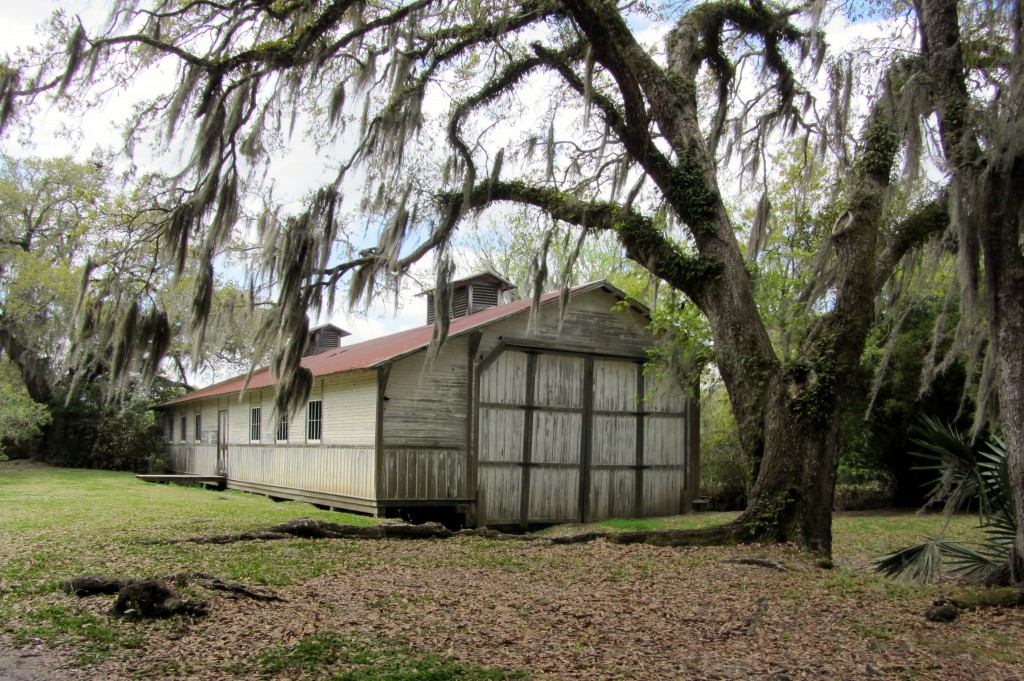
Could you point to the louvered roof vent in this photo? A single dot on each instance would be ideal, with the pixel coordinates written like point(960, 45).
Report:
point(324, 337)
point(472, 294)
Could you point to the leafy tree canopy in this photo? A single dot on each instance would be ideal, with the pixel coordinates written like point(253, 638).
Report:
point(77, 265)
point(20, 417)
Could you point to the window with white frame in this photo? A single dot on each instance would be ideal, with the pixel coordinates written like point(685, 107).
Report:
point(198, 435)
point(314, 420)
point(254, 424)
point(184, 427)
point(282, 429)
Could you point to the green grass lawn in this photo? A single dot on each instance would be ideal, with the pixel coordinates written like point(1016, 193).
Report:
point(858, 537)
point(60, 523)
point(64, 522)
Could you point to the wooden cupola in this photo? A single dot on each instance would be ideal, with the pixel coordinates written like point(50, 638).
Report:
point(473, 293)
point(323, 338)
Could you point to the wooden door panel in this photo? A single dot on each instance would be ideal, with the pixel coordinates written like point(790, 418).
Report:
point(554, 494)
point(556, 438)
point(222, 443)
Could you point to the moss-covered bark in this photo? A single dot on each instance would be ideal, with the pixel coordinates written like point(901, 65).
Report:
point(987, 166)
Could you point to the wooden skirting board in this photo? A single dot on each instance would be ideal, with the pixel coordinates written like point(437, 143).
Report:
point(215, 481)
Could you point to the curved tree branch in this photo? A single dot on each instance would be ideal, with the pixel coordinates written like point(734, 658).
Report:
point(643, 242)
point(926, 222)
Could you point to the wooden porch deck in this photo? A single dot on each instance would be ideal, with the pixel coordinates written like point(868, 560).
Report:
point(209, 481)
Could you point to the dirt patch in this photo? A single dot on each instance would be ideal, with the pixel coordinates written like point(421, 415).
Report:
point(31, 663)
point(594, 611)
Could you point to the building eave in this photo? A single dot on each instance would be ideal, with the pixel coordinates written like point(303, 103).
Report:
point(406, 343)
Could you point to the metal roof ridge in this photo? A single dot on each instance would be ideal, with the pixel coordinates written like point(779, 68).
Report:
point(467, 323)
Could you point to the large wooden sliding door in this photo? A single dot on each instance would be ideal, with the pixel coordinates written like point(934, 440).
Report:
point(565, 437)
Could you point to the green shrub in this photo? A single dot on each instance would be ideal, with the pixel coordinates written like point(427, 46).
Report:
point(21, 418)
point(122, 437)
point(725, 472)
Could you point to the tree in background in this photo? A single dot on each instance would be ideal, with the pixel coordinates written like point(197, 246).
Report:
point(980, 130)
point(77, 266)
point(21, 418)
point(512, 245)
point(626, 141)
point(46, 208)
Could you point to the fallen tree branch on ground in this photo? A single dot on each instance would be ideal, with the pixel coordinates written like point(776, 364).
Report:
point(157, 598)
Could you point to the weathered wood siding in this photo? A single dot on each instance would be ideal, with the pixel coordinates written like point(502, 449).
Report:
point(423, 431)
point(341, 463)
point(614, 472)
point(422, 474)
point(336, 470)
point(501, 437)
point(536, 445)
point(426, 401)
point(193, 458)
point(349, 408)
point(550, 423)
point(666, 448)
point(589, 322)
point(553, 462)
point(238, 416)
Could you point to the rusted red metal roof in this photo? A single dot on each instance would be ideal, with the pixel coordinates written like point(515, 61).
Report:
point(502, 283)
point(373, 353)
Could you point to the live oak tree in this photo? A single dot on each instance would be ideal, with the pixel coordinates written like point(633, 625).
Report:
point(46, 208)
point(64, 223)
point(980, 126)
point(435, 110)
point(21, 417)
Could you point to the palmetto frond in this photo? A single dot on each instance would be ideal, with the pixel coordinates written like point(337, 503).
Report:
point(966, 476)
point(920, 563)
point(959, 480)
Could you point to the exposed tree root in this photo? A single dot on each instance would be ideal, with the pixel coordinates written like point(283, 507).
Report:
point(154, 598)
point(1008, 597)
point(218, 584)
point(719, 535)
point(306, 528)
point(94, 585)
point(758, 562)
point(947, 609)
point(581, 538)
point(157, 598)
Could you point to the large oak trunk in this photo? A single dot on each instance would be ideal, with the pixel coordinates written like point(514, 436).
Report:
point(1004, 264)
point(1011, 395)
point(791, 500)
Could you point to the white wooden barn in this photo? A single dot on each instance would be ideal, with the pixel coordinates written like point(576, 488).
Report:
point(509, 425)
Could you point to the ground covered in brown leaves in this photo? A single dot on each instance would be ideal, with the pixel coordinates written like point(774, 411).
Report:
point(463, 608)
point(593, 611)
